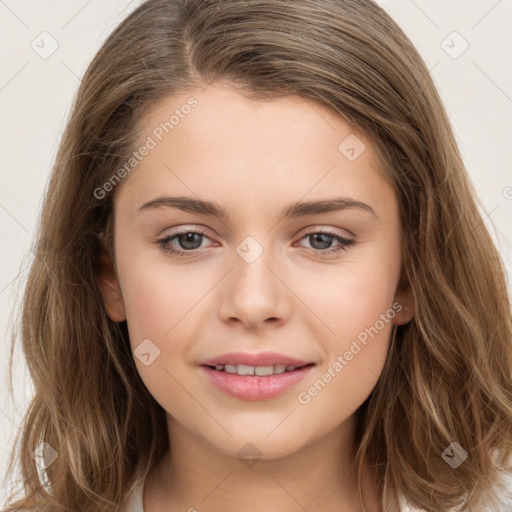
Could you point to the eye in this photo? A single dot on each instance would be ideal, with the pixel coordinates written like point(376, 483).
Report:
point(189, 239)
point(323, 239)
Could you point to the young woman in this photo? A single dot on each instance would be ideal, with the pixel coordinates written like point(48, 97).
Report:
point(262, 280)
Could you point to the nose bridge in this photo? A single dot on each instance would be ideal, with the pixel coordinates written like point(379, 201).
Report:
point(253, 293)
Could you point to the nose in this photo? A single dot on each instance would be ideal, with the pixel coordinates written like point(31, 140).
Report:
point(253, 294)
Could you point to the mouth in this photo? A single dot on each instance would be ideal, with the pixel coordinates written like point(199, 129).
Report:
point(255, 383)
point(256, 371)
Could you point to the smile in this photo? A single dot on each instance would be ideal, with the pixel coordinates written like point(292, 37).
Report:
point(255, 382)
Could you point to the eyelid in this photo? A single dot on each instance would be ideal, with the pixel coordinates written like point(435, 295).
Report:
point(331, 230)
point(178, 228)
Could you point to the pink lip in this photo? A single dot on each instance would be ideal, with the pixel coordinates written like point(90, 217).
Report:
point(261, 359)
point(253, 387)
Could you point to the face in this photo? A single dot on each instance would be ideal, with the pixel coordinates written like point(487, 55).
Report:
point(317, 284)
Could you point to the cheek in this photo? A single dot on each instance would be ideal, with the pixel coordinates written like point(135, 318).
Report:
point(360, 317)
point(352, 296)
point(355, 304)
point(159, 304)
point(157, 298)
point(162, 302)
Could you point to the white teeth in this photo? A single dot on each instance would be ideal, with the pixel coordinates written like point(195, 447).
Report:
point(260, 371)
point(263, 371)
point(243, 369)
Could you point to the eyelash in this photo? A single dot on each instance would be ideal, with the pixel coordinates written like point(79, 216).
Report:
point(345, 243)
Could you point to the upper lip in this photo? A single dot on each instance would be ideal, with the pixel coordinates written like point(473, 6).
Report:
point(260, 359)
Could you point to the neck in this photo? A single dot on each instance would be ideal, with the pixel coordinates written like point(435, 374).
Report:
point(194, 475)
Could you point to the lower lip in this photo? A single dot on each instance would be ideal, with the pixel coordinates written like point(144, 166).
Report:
point(252, 387)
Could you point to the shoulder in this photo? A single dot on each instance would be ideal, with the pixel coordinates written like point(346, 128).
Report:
point(500, 498)
point(497, 500)
point(133, 501)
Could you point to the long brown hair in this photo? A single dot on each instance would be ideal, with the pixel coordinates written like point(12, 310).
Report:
point(448, 374)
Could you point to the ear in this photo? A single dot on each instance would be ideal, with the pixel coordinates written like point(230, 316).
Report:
point(110, 286)
point(404, 297)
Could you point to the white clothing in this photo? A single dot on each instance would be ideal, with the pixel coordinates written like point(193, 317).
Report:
point(503, 499)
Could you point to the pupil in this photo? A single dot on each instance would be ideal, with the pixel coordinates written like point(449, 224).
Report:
point(322, 236)
point(188, 238)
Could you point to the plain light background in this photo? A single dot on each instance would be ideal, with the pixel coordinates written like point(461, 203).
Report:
point(36, 92)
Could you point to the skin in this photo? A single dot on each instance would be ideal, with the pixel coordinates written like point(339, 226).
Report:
point(254, 158)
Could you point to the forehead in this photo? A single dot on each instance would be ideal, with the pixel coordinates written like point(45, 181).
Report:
point(215, 141)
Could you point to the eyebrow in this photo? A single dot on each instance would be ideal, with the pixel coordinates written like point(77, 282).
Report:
point(294, 210)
